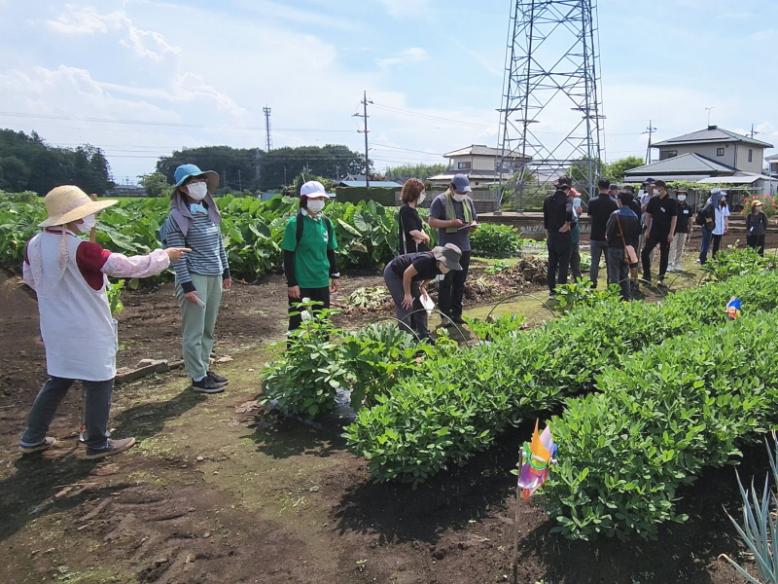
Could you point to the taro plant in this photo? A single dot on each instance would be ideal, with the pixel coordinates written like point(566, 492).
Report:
point(495, 327)
point(114, 293)
point(759, 527)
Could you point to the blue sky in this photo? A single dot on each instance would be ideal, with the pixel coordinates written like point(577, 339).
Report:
point(174, 74)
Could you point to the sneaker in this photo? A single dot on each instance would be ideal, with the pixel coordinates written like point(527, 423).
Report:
point(207, 385)
point(48, 442)
point(218, 379)
point(114, 447)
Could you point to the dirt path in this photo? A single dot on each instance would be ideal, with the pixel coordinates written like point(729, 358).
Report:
point(216, 491)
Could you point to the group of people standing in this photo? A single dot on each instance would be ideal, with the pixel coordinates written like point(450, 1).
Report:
point(626, 228)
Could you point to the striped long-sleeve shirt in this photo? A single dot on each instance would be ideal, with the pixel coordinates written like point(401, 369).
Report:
point(207, 258)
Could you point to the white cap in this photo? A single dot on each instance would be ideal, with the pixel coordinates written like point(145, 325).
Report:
point(313, 189)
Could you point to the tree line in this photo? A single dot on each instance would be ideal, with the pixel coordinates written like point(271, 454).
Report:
point(27, 163)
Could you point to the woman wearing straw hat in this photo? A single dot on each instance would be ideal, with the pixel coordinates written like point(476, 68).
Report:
point(194, 222)
point(69, 275)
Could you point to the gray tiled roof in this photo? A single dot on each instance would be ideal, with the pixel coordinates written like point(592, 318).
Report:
point(684, 164)
point(710, 134)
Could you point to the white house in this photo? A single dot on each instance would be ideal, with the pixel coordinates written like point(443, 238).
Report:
point(480, 163)
point(712, 155)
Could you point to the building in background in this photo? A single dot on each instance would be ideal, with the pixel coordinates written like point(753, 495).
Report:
point(710, 156)
point(480, 163)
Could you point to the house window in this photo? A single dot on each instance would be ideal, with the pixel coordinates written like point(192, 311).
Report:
point(464, 165)
point(750, 155)
point(665, 154)
point(719, 152)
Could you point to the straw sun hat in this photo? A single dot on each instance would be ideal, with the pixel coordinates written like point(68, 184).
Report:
point(69, 203)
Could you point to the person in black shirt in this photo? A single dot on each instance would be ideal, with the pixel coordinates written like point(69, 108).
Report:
point(662, 213)
point(406, 277)
point(600, 210)
point(682, 228)
point(622, 230)
point(756, 227)
point(413, 239)
point(558, 220)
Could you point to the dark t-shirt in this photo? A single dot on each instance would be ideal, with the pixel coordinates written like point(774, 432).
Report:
point(662, 211)
point(408, 220)
point(600, 210)
point(425, 263)
point(684, 214)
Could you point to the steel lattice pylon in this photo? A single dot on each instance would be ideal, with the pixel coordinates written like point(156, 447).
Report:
point(551, 111)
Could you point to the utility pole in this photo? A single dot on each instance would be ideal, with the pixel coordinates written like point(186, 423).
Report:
point(365, 131)
point(650, 131)
point(266, 111)
point(753, 132)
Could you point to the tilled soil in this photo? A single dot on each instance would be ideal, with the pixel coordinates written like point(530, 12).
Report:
point(220, 491)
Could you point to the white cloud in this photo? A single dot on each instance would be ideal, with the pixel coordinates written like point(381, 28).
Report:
point(410, 55)
point(764, 35)
point(86, 20)
point(407, 8)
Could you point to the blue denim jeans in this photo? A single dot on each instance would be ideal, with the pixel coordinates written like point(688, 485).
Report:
point(707, 236)
point(96, 410)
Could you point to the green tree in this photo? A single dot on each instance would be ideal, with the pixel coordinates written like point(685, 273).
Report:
point(420, 171)
point(237, 167)
point(614, 171)
point(155, 184)
point(279, 166)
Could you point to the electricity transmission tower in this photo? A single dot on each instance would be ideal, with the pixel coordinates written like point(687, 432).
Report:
point(551, 120)
point(266, 111)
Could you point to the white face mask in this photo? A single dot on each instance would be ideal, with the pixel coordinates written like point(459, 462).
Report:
point(459, 198)
point(315, 205)
point(88, 223)
point(681, 198)
point(197, 191)
point(422, 196)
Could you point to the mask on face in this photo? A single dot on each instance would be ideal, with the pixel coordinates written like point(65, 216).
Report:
point(422, 196)
point(315, 205)
point(681, 198)
point(88, 223)
point(459, 198)
point(197, 191)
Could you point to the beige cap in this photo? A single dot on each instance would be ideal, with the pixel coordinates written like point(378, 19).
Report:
point(69, 203)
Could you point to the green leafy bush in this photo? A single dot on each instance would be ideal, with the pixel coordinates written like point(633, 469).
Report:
point(582, 293)
point(472, 395)
point(734, 262)
point(662, 416)
point(304, 380)
point(377, 357)
point(495, 241)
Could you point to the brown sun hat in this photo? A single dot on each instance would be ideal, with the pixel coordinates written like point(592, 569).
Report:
point(69, 203)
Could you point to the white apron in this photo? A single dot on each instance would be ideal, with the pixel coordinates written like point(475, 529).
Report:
point(79, 334)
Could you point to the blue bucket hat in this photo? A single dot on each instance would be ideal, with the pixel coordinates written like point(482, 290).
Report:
point(187, 171)
point(461, 183)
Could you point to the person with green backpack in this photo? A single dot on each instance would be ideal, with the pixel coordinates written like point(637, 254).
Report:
point(309, 253)
point(453, 214)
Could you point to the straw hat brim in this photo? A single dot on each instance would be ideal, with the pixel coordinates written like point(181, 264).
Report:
point(78, 213)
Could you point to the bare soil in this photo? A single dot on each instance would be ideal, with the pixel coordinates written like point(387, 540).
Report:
point(220, 491)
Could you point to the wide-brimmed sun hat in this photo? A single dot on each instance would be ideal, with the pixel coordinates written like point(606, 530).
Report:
point(69, 203)
point(756, 203)
point(313, 189)
point(187, 171)
point(449, 254)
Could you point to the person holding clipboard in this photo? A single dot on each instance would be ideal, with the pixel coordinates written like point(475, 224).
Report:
point(453, 214)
